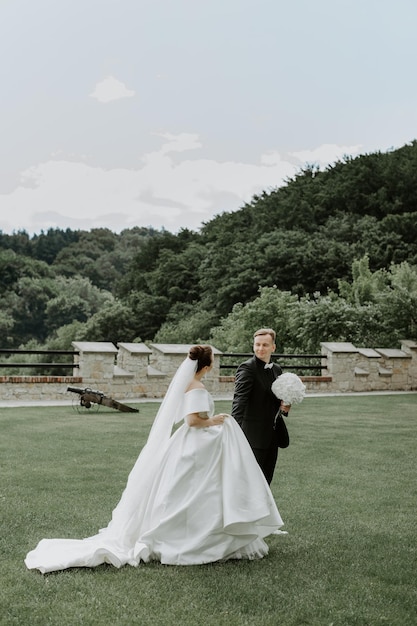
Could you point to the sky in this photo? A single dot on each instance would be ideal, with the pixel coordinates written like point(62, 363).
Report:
point(166, 113)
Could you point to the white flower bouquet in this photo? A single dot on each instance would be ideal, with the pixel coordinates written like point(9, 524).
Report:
point(289, 388)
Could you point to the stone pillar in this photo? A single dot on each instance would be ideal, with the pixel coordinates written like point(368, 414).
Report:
point(410, 347)
point(341, 360)
point(366, 373)
point(96, 363)
point(395, 368)
point(131, 371)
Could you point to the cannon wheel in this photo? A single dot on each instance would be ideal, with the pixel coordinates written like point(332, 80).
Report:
point(84, 407)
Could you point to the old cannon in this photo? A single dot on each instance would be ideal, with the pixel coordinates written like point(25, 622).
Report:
point(89, 397)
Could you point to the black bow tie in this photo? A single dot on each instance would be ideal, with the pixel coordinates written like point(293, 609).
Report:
point(268, 366)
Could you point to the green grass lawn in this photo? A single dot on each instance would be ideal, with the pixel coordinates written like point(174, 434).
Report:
point(345, 487)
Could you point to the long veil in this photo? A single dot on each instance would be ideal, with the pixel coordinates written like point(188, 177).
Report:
point(128, 515)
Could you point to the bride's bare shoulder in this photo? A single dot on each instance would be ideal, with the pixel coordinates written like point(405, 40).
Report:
point(195, 384)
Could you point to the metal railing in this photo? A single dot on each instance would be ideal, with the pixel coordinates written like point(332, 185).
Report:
point(35, 364)
point(298, 365)
point(294, 362)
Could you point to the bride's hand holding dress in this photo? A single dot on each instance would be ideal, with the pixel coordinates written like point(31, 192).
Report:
point(202, 420)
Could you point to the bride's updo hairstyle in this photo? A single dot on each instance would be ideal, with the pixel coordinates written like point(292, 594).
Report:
point(202, 354)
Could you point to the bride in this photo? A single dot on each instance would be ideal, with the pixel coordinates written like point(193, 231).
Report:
point(192, 497)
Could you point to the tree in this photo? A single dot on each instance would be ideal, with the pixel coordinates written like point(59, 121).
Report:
point(149, 256)
point(227, 275)
point(46, 246)
point(187, 323)
point(63, 338)
point(30, 300)
point(14, 267)
point(6, 329)
point(18, 242)
point(271, 309)
point(114, 322)
point(365, 285)
point(398, 304)
point(175, 276)
point(149, 312)
point(10, 269)
point(331, 318)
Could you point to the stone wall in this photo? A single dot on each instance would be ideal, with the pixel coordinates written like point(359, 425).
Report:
point(367, 369)
point(37, 388)
point(135, 370)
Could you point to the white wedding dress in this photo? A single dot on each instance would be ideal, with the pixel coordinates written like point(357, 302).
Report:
point(199, 498)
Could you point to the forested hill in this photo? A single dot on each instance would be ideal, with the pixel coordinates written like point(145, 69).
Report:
point(301, 238)
point(304, 236)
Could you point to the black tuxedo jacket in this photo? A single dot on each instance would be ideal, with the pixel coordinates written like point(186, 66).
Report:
point(254, 404)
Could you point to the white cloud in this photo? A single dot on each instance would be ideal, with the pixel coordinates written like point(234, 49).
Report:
point(160, 193)
point(271, 158)
point(179, 143)
point(326, 154)
point(111, 89)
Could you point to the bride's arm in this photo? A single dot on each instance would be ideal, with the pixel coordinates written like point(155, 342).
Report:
point(201, 420)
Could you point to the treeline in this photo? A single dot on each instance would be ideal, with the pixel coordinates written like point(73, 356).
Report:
point(331, 255)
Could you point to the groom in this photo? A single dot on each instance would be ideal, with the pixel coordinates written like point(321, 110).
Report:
point(255, 405)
